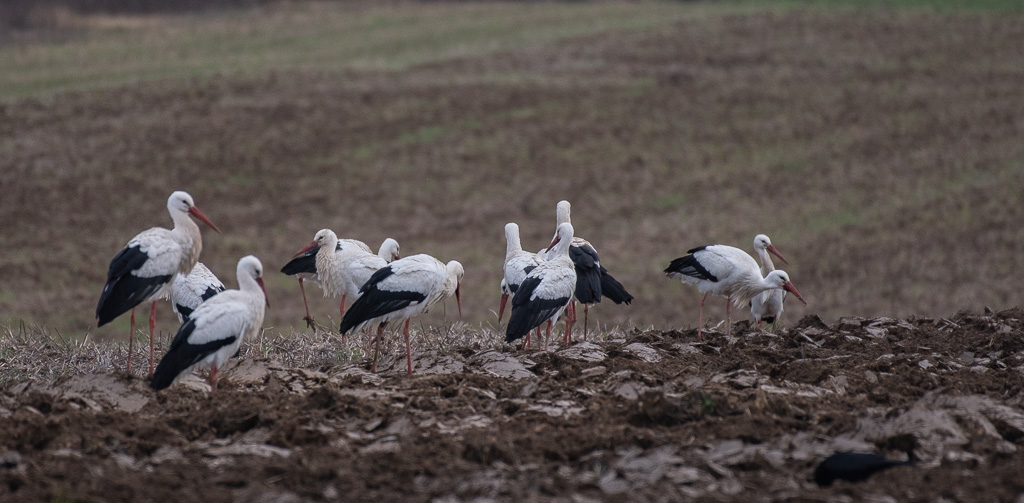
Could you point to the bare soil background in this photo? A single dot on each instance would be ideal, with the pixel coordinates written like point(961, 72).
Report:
point(650, 416)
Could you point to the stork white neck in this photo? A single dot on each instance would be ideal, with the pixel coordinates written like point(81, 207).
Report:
point(512, 243)
point(185, 231)
point(562, 210)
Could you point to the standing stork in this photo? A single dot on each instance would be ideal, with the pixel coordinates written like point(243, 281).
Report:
point(190, 290)
point(217, 328)
point(767, 306)
point(729, 272)
point(144, 269)
point(518, 263)
point(546, 290)
point(592, 279)
point(403, 289)
point(303, 266)
point(332, 260)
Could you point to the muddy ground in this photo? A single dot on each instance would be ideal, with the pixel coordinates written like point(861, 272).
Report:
point(651, 416)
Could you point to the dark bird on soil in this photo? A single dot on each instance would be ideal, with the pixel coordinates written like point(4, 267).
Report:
point(852, 467)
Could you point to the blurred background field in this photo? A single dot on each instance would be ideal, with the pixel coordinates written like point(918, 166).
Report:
point(878, 144)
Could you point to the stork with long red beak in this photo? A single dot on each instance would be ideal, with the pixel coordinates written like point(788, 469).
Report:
point(729, 272)
point(217, 328)
point(546, 290)
point(767, 306)
point(403, 289)
point(144, 269)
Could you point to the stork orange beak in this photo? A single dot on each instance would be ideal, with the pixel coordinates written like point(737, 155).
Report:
point(305, 249)
point(501, 308)
point(458, 299)
point(788, 286)
point(775, 251)
point(264, 287)
point(554, 241)
point(198, 214)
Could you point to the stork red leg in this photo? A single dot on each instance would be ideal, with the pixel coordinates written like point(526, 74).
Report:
point(728, 316)
point(309, 319)
point(700, 324)
point(376, 349)
point(131, 343)
point(570, 320)
point(408, 349)
point(152, 330)
point(541, 343)
point(341, 309)
point(586, 312)
point(213, 379)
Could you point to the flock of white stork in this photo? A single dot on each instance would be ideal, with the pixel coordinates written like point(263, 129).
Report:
point(163, 264)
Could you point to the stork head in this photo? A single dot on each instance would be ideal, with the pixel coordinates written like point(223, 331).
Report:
point(455, 274)
point(389, 250)
point(322, 238)
point(779, 279)
point(250, 267)
point(181, 202)
point(563, 236)
point(562, 212)
point(762, 242)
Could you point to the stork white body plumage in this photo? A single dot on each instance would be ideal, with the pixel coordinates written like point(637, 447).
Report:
point(354, 258)
point(361, 265)
point(726, 271)
point(593, 281)
point(767, 306)
point(403, 289)
point(518, 264)
point(144, 269)
point(217, 328)
point(546, 290)
point(190, 290)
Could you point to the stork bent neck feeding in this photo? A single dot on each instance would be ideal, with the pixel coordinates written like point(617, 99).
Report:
point(768, 305)
point(726, 271)
point(401, 290)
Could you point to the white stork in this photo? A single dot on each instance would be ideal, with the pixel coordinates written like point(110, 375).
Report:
point(358, 256)
point(143, 270)
point(332, 260)
point(401, 290)
point(190, 290)
point(518, 263)
point(767, 306)
point(546, 290)
point(592, 280)
point(303, 267)
point(217, 328)
point(726, 271)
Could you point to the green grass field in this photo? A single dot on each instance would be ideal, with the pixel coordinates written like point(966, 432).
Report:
point(877, 144)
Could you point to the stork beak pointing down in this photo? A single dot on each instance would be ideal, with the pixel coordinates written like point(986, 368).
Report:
point(792, 289)
point(198, 214)
point(554, 241)
point(260, 281)
point(305, 249)
point(775, 251)
point(458, 299)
